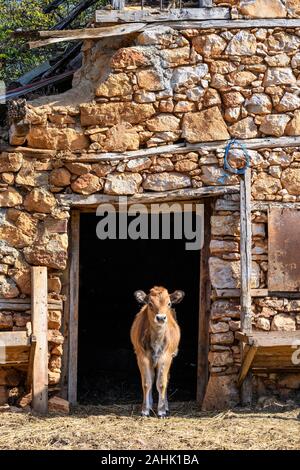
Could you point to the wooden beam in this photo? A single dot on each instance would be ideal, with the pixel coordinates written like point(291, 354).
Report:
point(14, 339)
point(249, 354)
point(251, 144)
point(74, 300)
point(158, 16)
point(204, 308)
point(236, 24)
point(228, 293)
point(54, 37)
point(12, 304)
point(29, 378)
point(78, 201)
point(40, 330)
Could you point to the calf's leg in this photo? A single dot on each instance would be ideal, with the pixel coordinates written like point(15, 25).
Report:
point(147, 375)
point(163, 368)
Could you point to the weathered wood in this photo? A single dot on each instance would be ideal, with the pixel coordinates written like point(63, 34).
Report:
point(204, 308)
point(29, 378)
point(251, 144)
point(249, 354)
point(245, 251)
point(14, 339)
point(228, 293)
point(74, 300)
point(76, 200)
point(158, 16)
point(54, 37)
point(270, 338)
point(266, 205)
point(236, 24)
point(12, 304)
point(40, 330)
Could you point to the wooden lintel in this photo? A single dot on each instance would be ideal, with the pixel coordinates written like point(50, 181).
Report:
point(228, 293)
point(77, 201)
point(158, 16)
point(249, 354)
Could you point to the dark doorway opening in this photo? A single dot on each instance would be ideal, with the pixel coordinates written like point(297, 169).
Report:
point(110, 272)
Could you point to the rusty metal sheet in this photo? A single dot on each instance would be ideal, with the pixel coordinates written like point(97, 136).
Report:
point(284, 250)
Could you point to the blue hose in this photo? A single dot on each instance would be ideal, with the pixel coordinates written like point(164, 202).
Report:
point(237, 171)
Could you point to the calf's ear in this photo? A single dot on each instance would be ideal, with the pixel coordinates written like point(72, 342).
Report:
point(140, 296)
point(177, 296)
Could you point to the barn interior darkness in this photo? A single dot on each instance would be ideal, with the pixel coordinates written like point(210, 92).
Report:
point(110, 271)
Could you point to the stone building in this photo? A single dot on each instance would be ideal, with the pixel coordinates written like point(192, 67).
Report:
point(149, 116)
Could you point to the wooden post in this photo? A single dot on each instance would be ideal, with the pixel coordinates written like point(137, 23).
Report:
point(40, 331)
point(204, 308)
point(245, 251)
point(74, 299)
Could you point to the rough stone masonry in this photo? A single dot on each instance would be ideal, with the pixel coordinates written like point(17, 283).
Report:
point(147, 90)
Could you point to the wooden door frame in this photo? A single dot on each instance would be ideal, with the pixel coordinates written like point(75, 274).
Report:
point(71, 310)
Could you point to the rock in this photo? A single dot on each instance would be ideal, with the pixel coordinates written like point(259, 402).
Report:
point(243, 43)
point(290, 381)
point(151, 80)
point(283, 322)
point(211, 98)
point(207, 125)
point(78, 168)
point(244, 129)
point(25, 400)
point(293, 7)
point(54, 285)
point(263, 324)
point(223, 246)
point(195, 93)
point(226, 274)
point(10, 162)
point(143, 96)
point(279, 76)
point(10, 197)
point(233, 99)
point(39, 200)
point(109, 114)
point(21, 319)
point(219, 327)
point(161, 35)
point(188, 76)
point(293, 127)
point(265, 184)
point(221, 393)
point(54, 319)
point(138, 164)
point(210, 45)
point(60, 177)
point(262, 8)
point(289, 102)
point(163, 122)
point(225, 225)
point(222, 338)
point(117, 84)
point(28, 176)
point(184, 166)
point(214, 176)
point(53, 377)
point(102, 169)
point(8, 288)
point(58, 405)
point(259, 103)
point(242, 78)
point(55, 337)
point(161, 164)
point(120, 138)
point(87, 184)
point(51, 251)
point(234, 325)
point(280, 60)
point(280, 158)
point(232, 114)
point(217, 359)
point(131, 58)
point(175, 57)
point(221, 67)
point(274, 124)
point(290, 179)
point(53, 138)
point(6, 321)
point(166, 181)
point(122, 184)
point(295, 62)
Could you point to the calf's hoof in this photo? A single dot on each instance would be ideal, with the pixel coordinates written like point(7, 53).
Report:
point(145, 414)
point(162, 415)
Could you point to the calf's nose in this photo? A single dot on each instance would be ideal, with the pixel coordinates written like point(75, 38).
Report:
point(161, 317)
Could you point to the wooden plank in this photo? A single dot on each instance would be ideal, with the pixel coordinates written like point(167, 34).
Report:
point(76, 200)
point(14, 339)
point(54, 37)
point(284, 249)
point(251, 144)
point(236, 24)
point(204, 308)
point(40, 330)
point(29, 378)
point(22, 307)
point(249, 354)
point(228, 293)
point(245, 251)
point(159, 16)
point(74, 299)
point(266, 205)
point(277, 338)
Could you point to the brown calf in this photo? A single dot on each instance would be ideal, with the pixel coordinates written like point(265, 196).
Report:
point(155, 336)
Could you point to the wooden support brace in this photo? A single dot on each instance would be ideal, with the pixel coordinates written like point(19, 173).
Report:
point(248, 353)
point(40, 331)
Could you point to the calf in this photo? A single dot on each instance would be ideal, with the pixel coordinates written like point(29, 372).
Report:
point(155, 336)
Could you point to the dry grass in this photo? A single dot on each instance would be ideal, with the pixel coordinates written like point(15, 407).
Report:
point(120, 427)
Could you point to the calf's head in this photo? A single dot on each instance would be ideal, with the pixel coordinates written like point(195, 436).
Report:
point(159, 303)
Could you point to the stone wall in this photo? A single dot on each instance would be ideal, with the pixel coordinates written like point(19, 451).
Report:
point(148, 90)
point(261, 8)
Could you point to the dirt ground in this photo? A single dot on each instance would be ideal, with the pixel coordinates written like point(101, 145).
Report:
point(121, 427)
